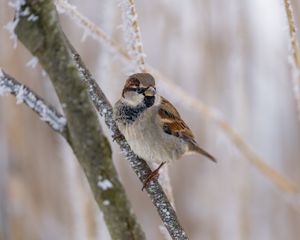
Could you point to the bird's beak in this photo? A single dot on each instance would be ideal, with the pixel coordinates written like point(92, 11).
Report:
point(150, 92)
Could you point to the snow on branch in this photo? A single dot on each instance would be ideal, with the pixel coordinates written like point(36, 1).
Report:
point(140, 167)
point(24, 95)
point(282, 183)
point(295, 55)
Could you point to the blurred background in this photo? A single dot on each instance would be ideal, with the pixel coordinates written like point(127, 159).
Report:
point(233, 56)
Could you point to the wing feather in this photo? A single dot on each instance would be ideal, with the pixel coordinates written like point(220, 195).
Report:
point(174, 125)
point(172, 122)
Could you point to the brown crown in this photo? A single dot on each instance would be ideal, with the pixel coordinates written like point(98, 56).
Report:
point(145, 79)
point(138, 79)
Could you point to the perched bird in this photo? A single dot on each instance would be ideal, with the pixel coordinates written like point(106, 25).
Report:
point(151, 124)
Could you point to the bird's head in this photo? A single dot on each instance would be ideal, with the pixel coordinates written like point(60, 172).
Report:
point(140, 88)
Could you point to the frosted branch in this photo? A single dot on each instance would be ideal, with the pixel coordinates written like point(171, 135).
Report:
point(282, 183)
point(295, 56)
point(24, 95)
point(132, 35)
point(140, 167)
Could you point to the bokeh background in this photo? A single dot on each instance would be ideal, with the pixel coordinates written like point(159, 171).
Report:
point(233, 56)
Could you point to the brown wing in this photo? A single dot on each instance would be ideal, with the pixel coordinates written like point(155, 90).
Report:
point(174, 125)
point(172, 122)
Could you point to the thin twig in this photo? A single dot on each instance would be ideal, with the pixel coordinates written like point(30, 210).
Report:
point(132, 35)
point(295, 60)
point(25, 95)
point(282, 183)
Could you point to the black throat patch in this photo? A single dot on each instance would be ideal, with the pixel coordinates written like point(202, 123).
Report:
point(128, 114)
point(149, 101)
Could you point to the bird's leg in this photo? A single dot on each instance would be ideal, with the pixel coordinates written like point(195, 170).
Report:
point(152, 175)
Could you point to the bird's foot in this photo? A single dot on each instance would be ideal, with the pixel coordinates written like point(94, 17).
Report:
point(152, 175)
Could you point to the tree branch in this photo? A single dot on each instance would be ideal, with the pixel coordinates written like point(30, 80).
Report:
point(45, 39)
point(132, 35)
point(46, 112)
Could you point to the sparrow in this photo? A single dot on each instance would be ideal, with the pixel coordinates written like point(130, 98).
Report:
point(151, 125)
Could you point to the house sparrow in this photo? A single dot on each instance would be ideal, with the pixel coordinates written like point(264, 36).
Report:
point(151, 124)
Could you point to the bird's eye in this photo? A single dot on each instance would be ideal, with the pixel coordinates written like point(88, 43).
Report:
point(140, 90)
point(136, 89)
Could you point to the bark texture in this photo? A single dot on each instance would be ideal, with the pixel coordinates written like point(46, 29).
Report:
point(45, 40)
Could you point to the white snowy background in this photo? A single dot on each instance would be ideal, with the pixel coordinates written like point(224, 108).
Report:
point(231, 55)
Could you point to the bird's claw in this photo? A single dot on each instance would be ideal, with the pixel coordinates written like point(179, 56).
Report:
point(152, 175)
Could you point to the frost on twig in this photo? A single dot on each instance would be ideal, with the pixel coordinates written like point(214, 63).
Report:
point(37, 104)
point(10, 26)
point(17, 5)
point(295, 55)
point(132, 35)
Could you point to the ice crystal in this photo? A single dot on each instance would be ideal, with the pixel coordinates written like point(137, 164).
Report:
point(11, 26)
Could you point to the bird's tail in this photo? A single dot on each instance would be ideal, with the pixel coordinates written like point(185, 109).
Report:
point(195, 148)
